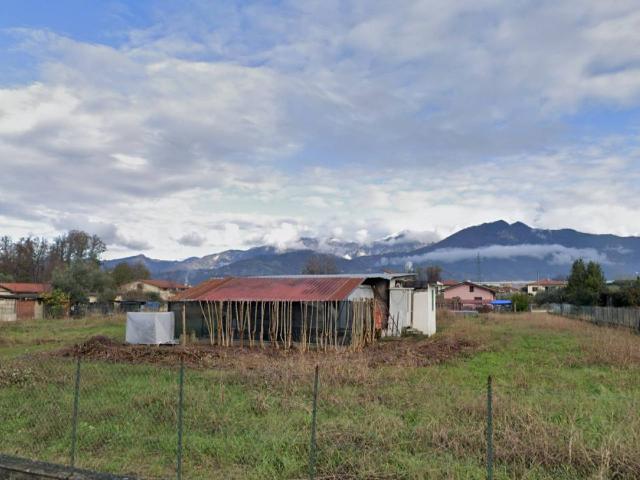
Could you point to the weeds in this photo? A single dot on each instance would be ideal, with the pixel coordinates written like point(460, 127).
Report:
point(566, 400)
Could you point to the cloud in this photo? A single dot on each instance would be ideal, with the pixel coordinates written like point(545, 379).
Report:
point(192, 239)
point(129, 162)
point(284, 236)
point(107, 232)
point(423, 237)
point(301, 118)
point(555, 254)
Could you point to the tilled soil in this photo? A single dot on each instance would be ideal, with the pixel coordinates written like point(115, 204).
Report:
point(403, 351)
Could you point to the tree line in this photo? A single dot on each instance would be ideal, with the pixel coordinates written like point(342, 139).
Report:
point(587, 286)
point(71, 263)
point(34, 259)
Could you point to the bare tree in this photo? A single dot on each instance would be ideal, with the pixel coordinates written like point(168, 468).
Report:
point(320, 265)
point(429, 274)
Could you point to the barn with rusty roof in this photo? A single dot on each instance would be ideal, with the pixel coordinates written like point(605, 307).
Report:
point(324, 311)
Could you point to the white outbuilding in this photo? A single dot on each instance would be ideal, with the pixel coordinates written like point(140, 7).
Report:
point(150, 328)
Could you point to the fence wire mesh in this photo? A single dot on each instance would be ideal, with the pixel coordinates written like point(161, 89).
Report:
point(36, 403)
point(121, 406)
point(253, 423)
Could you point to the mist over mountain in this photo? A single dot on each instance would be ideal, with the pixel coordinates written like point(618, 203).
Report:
point(491, 252)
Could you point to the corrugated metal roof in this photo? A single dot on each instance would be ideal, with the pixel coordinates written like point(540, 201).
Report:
point(306, 289)
point(194, 293)
point(26, 287)
point(383, 275)
point(164, 284)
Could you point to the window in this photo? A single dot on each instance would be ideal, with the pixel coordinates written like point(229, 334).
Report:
point(478, 298)
point(471, 288)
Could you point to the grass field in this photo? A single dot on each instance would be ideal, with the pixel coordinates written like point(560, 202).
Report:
point(567, 404)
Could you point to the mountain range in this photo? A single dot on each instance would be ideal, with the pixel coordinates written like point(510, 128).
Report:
point(496, 251)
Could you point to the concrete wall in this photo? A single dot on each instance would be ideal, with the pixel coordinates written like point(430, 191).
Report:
point(8, 310)
point(38, 312)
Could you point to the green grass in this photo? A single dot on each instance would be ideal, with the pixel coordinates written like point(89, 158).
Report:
point(20, 338)
point(566, 401)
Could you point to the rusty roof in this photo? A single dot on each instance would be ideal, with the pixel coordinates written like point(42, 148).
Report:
point(194, 293)
point(296, 289)
point(163, 284)
point(26, 287)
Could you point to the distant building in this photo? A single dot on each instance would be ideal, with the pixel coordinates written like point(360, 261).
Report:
point(22, 301)
point(444, 284)
point(164, 289)
point(506, 290)
point(469, 295)
point(544, 285)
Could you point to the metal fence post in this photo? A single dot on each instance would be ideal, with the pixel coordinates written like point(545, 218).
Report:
point(180, 409)
point(489, 429)
point(312, 447)
point(74, 420)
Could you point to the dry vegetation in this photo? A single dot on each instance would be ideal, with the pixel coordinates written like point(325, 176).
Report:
point(567, 397)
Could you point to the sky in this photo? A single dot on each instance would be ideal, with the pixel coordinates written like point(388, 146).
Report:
point(183, 128)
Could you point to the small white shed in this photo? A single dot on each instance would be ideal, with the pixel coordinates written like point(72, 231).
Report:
point(412, 308)
point(424, 310)
point(150, 328)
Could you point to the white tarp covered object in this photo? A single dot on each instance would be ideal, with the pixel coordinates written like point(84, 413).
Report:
point(150, 328)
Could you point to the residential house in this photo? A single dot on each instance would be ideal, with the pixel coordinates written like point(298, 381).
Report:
point(469, 295)
point(444, 284)
point(164, 290)
point(544, 285)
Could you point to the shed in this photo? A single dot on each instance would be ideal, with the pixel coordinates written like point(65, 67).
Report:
point(22, 301)
point(327, 311)
point(146, 328)
point(321, 310)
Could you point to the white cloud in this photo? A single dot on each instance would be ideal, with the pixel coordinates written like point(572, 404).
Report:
point(316, 117)
point(129, 162)
point(557, 254)
point(285, 235)
point(108, 232)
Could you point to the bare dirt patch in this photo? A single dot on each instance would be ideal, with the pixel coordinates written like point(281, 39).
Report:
point(395, 352)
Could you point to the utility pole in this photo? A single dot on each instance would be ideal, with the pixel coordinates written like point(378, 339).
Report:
point(479, 268)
